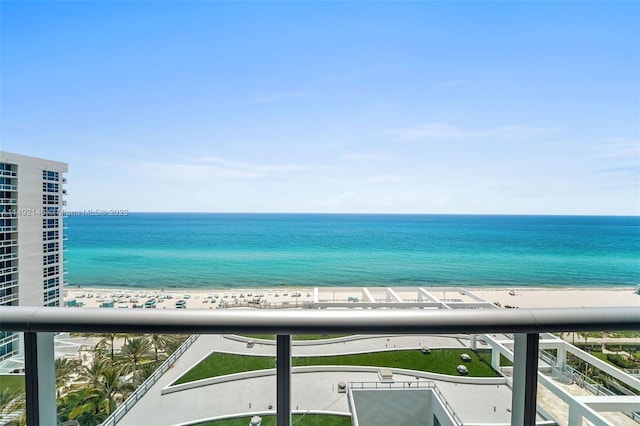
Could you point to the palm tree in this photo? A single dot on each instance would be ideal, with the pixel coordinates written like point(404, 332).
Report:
point(11, 400)
point(135, 351)
point(65, 367)
point(110, 338)
point(174, 342)
point(586, 337)
point(159, 342)
point(99, 398)
point(112, 388)
point(84, 405)
point(143, 373)
point(93, 373)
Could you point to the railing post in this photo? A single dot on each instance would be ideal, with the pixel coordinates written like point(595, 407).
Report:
point(40, 379)
point(283, 380)
point(525, 379)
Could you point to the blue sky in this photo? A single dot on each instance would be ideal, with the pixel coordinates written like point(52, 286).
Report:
point(381, 107)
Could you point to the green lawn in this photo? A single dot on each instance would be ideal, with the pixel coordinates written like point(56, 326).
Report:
point(12, 382)
point(218, 364)
point(296, 336)
point(307, 420)
point(443, 361)
point(504, 362)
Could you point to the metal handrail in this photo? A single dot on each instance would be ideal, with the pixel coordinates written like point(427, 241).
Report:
point(526, 323)
point(43, 319)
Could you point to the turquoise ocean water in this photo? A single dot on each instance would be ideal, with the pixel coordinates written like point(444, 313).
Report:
point(190, 250)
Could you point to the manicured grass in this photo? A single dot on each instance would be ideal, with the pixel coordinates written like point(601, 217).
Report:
point(504, 362)
point(12, 382)
point(307, 420)
point(296, 336)
point(443, 361)
point(218, 364)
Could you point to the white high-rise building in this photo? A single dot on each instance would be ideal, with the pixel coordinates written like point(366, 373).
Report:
point(31, 236)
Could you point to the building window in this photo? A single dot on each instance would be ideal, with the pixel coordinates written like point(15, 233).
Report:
point(49, 175)
point(50, 223)
point(51, 283)
point(51, 294)
point(50, 187)
point(50, 235)
point(49, 259)
point(51, 211)
point(50, 270)
point(50, 247)
point(50, 199)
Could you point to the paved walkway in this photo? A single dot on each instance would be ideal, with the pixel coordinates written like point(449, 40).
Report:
point(310, 391)
point(362, 344)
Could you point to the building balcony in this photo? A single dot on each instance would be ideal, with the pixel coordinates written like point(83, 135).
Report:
point(9, 270)
point(6, 243)
point(8, 173)
point(8, 284)
point(526, 325)
point(8, 299)
point(8, 256)
point(8, 201)
point(8, 228)
point(8, 187)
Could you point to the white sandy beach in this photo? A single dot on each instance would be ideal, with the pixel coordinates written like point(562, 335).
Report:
point(561, 297)
point(296, 297)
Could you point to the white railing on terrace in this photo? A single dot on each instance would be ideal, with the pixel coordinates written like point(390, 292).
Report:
point(38, 323)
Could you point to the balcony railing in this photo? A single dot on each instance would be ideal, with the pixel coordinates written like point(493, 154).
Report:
point(8, 284)
point(8, 256)
point(8, 270)
point(8, 187)
point(8, 173)
point(8, 299)
point(526, 324)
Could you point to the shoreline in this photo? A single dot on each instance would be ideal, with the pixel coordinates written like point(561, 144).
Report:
point(292, 297)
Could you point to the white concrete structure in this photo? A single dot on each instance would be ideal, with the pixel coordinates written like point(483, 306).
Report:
point(31, 236)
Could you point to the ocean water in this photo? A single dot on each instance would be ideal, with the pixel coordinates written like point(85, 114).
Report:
point(191, 250)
